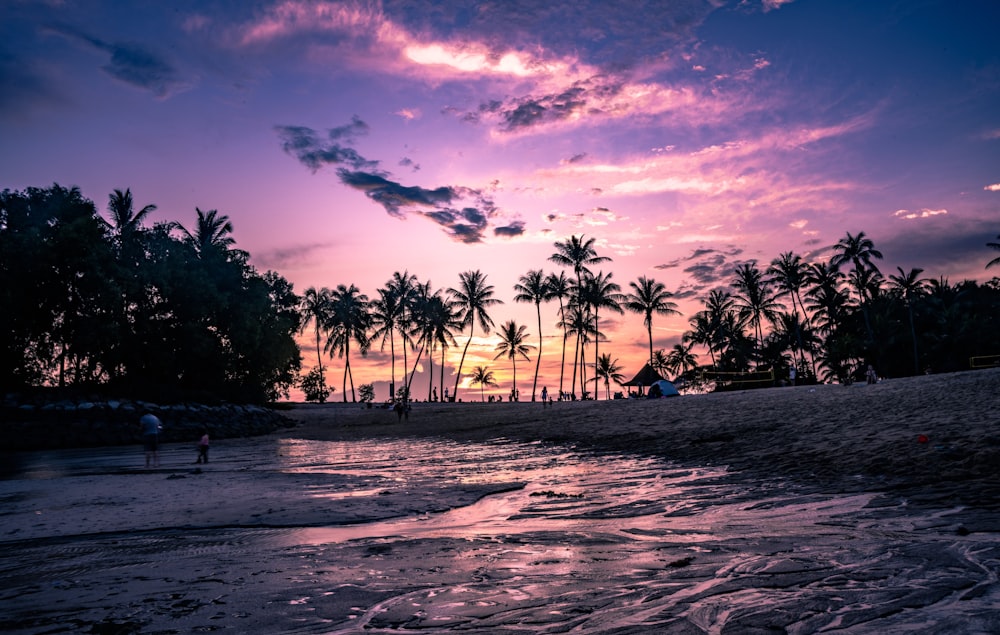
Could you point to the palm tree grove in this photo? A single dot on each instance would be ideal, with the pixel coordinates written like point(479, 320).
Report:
point(108, 304)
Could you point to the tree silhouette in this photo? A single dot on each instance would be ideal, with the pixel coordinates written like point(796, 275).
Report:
point(910, 287)
point(483, 376)
point(995, 261)
point(558, 286)
point(649, 297)
point(532, 287)
point(609, 370)
point(348, 321)
point(472, 299)
point(316, 307)
point(512, 344)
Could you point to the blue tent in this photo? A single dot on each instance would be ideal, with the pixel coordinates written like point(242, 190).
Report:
point(662, 388)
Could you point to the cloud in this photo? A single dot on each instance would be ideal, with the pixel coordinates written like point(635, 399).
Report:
point(133, 64)
point(994, 187)
point(771, 5)
point(922, 213)
point(311, 150)
point(706, 268)
point(284, 257)
point(464, 213)
point(942, 244)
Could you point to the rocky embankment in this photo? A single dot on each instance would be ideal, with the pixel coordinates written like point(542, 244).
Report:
point(76, 424)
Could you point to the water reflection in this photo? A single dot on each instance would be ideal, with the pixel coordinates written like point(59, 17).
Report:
point(573, 542)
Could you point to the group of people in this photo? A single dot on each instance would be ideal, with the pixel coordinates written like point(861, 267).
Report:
point(151, 428)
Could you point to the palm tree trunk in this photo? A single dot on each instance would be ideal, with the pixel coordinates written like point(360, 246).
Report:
point(913, 334)
point(597, 339)
point(430, 375)
point(576, 358)
point(413, 372)
point(319, 357)
point(538, 360)
point(347, 365)
point(562, 362)
point(649, 329)
point(461, 362)
point(392, 352)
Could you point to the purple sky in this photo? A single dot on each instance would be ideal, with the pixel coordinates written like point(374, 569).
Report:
point(349, 140)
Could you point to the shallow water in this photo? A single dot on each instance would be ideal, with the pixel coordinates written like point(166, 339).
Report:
point(573, 542)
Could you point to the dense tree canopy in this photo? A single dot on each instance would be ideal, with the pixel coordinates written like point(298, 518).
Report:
point(117, 307)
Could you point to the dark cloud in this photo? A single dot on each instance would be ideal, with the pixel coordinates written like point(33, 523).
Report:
point(940, 245)
point(514, 229)
point(394, 196)
point(406, 162)
point(464, 213)
point(532, 110)
point(132, 63)
point(466, 225)
point(576, 158)
point(306, 145)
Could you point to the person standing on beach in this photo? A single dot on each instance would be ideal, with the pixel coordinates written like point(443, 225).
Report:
point(871, 376)
point(203, 448)
point(151, 427)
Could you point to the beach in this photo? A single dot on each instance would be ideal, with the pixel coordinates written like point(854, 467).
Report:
point(858, 509)
point(935, 438)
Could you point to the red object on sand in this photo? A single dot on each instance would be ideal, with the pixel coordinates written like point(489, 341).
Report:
point(922, 438)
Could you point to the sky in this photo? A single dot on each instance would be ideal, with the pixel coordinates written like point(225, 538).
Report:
point(350, 140)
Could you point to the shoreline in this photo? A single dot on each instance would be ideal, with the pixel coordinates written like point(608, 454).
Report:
point(934, 439)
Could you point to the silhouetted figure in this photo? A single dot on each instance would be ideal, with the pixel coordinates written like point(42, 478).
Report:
point(203, 448)
point(151, 427)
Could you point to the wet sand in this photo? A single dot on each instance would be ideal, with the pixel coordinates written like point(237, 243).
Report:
point(782, 510)
point(934, 439)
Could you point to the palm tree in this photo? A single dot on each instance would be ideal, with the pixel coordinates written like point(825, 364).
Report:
point(789, 272)
point(315, 307)
point(860, 251)
point(213, 237)
point(483, 376)
point(531, 287)
point(754, 299)
point(648, 297)
point(910, 286)
point(386, 312)
point(125, 221)
point(471, 301)
point(703, 331)
point(512, 344)
point(348, 321)
point(680, 359)
point(599, 292)
point(576, 321)
point(608, 370)
point(995, 261)
point(660, 362)
point(403, 286)
point(442, 321)
point(558, 289)
point(577, 253)
point(428, 310)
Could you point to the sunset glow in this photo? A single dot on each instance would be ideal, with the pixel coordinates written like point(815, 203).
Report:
point(350, 140)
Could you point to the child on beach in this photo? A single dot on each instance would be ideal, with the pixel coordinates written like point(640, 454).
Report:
point(203, 448)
